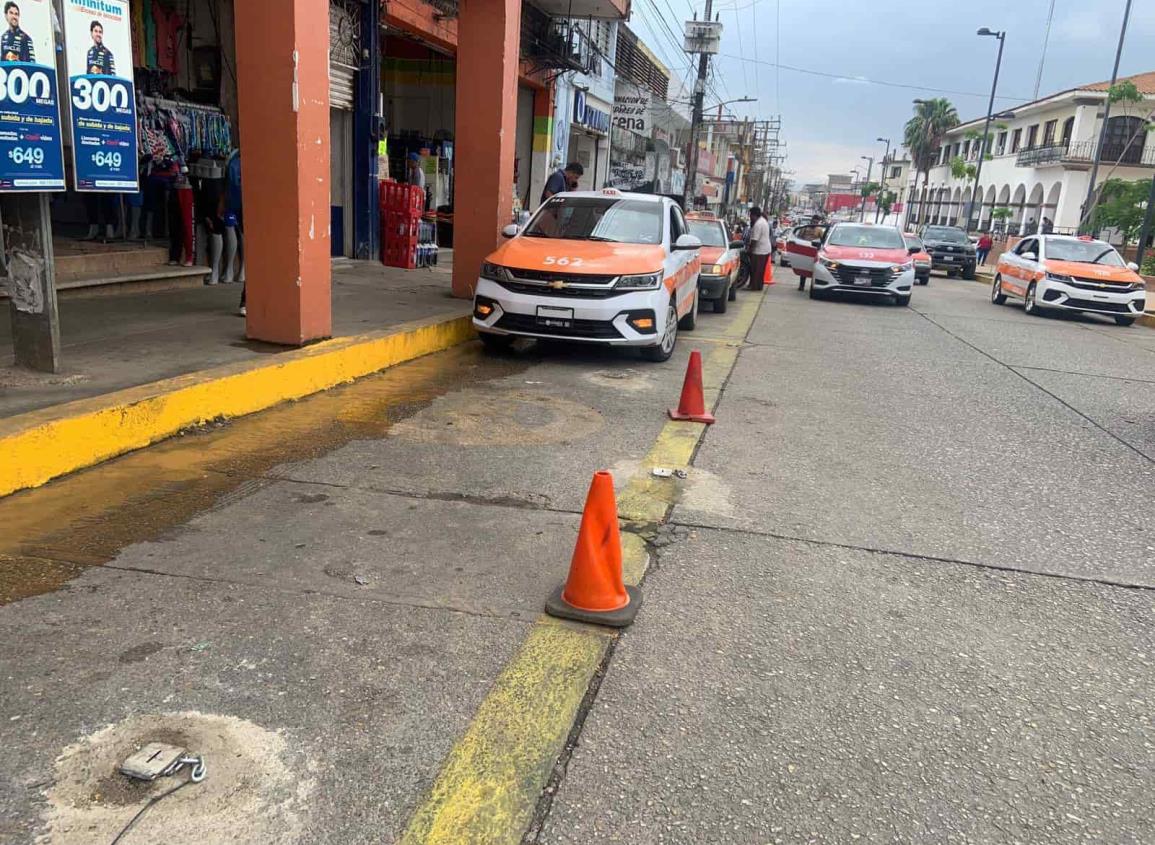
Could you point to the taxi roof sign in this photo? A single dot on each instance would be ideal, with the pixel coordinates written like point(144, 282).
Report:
point(611, 192)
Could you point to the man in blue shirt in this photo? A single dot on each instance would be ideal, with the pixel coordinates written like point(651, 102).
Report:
point(565, 179)
point(15, 44)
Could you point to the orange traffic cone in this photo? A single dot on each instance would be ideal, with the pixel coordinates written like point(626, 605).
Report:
point(768, 276)
point(692, 405)
point(594, 591)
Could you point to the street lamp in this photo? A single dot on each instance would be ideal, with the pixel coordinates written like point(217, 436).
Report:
point(1002, 36)
point(882, 190)
point(869, 169)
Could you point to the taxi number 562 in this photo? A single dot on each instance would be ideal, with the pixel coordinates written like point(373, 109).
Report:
point(562, 261)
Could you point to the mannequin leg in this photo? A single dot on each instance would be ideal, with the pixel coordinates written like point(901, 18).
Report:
point(230, 244)
point(216, 246)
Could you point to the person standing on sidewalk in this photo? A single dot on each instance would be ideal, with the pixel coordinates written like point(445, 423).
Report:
point(983, 248)
point(759, 246)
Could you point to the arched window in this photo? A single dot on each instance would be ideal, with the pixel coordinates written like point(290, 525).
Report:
point(1119, 133)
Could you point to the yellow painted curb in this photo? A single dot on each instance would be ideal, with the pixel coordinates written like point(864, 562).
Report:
point(489, 785)
point(41, 445)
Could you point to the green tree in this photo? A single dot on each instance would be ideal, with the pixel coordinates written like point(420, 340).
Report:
point(886, 201)
point(924, 132)
point(1121, 206)
point(1002, 214)
point(1127, 96)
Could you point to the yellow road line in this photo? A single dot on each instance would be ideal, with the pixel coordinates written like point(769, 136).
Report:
point(39, 446)
point(490, 783)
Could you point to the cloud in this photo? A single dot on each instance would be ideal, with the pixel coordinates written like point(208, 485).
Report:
point(812, 160)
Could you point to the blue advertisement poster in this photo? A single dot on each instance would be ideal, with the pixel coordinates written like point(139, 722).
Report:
point(31, 156)
point(98, 39)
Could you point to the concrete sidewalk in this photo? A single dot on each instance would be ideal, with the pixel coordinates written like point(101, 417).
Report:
point(113, 341)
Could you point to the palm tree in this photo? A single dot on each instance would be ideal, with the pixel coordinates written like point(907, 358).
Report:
point(923, 135)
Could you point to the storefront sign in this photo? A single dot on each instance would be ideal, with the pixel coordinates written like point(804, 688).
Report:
point(98, 39)
point(632, 110)
point(586, 115)
point(31, 156)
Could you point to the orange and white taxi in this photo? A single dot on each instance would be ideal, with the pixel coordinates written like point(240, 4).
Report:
point(721, 257)
point(604, 267)
point(1068, 273)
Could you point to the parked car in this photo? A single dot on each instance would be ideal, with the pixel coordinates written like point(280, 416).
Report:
point(1068, 273)
point(603, 267)
point(950, 250)
point(802, 249)
point(920, 257)
point(717, 282)
point(780, 245)
point(864, 258)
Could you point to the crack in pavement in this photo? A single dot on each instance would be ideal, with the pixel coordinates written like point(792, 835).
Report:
point(1009, 368)
point(1085, 375)
point(142, 570)
point(754, 532)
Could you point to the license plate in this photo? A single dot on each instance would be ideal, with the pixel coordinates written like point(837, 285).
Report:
point(557, 318)
point(948, 258)
point(862, 281)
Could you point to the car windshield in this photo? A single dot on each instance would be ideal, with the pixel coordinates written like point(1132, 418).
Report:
point(611, 219)
point(1085, 252)
point(912, 242)
point(709, 232)
point(878, 237)
point(946, 235)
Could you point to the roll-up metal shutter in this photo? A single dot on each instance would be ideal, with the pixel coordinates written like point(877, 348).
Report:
point(344, 52)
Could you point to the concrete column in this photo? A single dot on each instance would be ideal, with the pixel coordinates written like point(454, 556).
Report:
point(486, 121)
point(542, 143)
point(283, 93)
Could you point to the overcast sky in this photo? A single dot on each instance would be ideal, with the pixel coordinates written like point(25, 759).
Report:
point(828, 123)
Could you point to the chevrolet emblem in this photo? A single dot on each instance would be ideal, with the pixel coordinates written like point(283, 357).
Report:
point(557, 284)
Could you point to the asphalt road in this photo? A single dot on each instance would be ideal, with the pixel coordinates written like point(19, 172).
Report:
point(915, 603)
point(907, 595)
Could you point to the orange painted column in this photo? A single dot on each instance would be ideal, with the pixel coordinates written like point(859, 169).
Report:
point(486, 122)
point(283, 99)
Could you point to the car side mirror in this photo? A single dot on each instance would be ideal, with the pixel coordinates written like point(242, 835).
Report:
point(1030, 256)
point(1132, 266)
point(687, 242)
point(736, 244)
point(510, 231)
point(816, 244)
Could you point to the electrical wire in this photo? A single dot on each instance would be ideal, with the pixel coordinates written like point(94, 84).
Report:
point(152, 802)
point(865, 80)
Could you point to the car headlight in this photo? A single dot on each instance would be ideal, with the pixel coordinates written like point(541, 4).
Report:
point(1138, 286)
point(494, 272)
point(1059, 277)
point(828, 264)
point(902, 268)
point(717, 270)
point(645, 281)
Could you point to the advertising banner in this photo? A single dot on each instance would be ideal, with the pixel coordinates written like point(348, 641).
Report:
point(632, 109)
point(98, 46)
point(31, 155)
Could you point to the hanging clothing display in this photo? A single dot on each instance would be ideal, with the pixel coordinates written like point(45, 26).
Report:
point(168, 29)
point(172, 129)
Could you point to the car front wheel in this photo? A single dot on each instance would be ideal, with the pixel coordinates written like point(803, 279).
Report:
point(1125, 321)
point(664, 348)
point(1030, 305)
point(968, 272)
point(902, 300)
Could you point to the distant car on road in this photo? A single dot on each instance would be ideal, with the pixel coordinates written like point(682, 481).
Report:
point(720, 260)
point(920, 257)
point(862, 258)
point(1068, 273)
point(603, 267)
point(780, 246)
point(950, 250)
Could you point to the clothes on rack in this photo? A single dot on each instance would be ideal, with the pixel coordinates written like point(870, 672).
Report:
point(169, 25)
point(169, 128)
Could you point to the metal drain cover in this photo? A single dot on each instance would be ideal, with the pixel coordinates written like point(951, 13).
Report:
point(152, 761)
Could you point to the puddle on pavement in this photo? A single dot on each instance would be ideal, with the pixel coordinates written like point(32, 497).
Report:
point(51, 534)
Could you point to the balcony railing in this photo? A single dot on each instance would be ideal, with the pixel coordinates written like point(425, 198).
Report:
point(1083, 152)
point(550, 43)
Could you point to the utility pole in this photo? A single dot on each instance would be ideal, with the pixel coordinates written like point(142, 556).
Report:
point(1145, 232)
point(696, 38)
point(1087, 209)
point(882, 189)
point(866, 187)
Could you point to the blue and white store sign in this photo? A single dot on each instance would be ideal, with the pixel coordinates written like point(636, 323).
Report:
point(98, 35)
point(587, 115)
point(31, 154)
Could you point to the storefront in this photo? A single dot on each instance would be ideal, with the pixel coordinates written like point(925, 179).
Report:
point(589, 141)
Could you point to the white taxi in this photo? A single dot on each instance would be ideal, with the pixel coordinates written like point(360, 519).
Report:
point(1068, 273)
point(604, 267)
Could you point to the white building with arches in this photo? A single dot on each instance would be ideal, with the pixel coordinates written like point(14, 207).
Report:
point(1040, 161)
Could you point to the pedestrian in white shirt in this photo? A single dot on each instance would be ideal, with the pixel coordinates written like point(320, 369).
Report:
point(759, 246)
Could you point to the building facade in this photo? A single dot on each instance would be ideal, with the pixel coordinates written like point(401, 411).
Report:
point(1040, 158)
